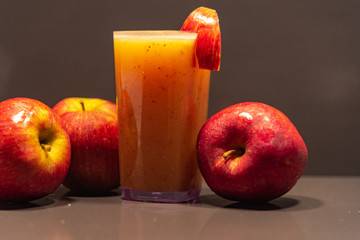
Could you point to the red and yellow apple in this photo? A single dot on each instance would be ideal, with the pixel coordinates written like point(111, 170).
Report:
point(250, 152)
point(34, 150)
point(93, 129)
point(205, 22)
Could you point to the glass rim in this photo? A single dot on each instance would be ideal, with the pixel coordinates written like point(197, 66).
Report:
point(171, 34)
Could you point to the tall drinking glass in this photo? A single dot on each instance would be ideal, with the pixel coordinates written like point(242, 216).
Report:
point(162, 99)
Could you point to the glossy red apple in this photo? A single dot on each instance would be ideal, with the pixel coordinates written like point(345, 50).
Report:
point(205, 22)
point(93, 129)
point(250, 152)
point(34, 150)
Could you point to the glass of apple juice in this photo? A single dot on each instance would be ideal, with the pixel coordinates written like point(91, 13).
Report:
point(162, 99)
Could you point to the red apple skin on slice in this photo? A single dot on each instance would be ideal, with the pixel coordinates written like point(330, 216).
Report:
point(205, 22)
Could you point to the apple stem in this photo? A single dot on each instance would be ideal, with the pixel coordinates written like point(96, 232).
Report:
point(82, 105)
point(233, 153)
point(47, 148)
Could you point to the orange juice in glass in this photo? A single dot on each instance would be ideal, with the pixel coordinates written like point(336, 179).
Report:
point(162, 99)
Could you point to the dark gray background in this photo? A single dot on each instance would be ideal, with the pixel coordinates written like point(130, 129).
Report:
point(302, 57)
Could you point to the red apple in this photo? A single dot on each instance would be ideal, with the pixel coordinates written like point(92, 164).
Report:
point(93, 129)
point(34, 150)
point(250, 152)
point(205, 22)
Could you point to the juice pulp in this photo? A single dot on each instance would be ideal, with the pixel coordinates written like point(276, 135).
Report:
point(162, 99)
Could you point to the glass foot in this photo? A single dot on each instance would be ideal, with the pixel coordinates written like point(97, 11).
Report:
point(163, 197)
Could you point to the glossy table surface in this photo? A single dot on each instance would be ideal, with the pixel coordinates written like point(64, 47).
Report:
point(316, 208)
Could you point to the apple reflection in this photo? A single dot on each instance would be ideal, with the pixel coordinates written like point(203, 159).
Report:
point(33, 220)
point(251, 224)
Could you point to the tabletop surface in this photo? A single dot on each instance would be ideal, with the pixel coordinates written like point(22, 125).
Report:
point(316, 208)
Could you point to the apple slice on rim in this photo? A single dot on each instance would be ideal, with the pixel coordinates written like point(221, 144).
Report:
point(205, 22)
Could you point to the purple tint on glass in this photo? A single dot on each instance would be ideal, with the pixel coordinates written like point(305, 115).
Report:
point(161, 197)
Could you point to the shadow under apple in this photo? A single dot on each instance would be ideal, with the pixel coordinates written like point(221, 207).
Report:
point(110, 193)
point(287, 202)
point(39, 203)
point(44, 202)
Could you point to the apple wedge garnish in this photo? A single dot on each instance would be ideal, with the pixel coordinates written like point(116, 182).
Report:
point(205, 22)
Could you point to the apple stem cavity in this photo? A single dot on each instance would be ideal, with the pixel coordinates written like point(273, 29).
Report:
point(82, 105)
point(46, 147)
point(233, 153)
point(45, 139)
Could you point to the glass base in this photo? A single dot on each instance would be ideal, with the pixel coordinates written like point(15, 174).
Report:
point(163, 197)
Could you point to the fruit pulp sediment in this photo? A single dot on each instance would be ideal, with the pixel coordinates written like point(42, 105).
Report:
point(162, 99)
